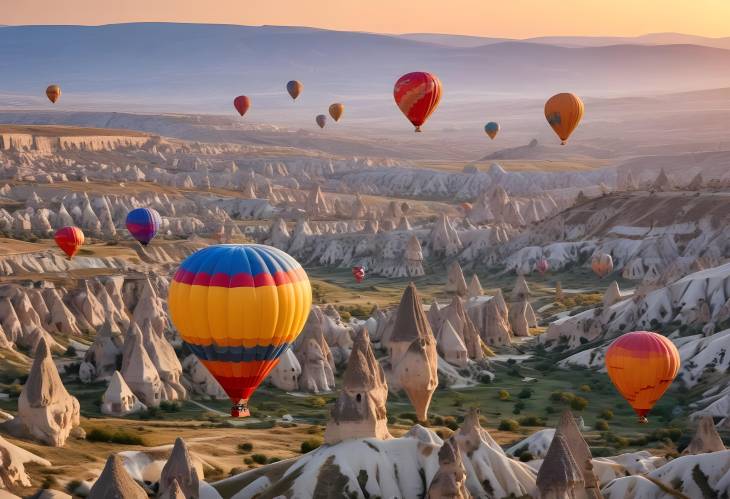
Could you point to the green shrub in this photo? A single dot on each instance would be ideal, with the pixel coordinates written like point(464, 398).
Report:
point(411, 416)
point(531, 421)
point(310, 444)
point(525, 393)
point(113, 437)
point(247, 460)
point(601, 425)
point(70, 351)
point(563, 397)
point(503, 395)
point(437, 420)
point(245, 447)
point(509, 425)
point(259, 458)
point(274, 459)
point(578, 403)
point(606, 414)
point(316, 402)
point(585, 388)
point(450, 423)
point(170, 406)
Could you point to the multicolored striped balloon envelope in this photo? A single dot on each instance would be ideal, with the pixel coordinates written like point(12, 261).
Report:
point(641, 366)
point(417, 96)
point(143, 224)
point(238, 307)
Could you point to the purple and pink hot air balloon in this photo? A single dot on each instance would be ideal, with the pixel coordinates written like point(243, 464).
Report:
point(143, 224)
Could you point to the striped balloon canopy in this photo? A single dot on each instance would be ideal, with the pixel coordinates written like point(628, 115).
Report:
point(417, 95)
point(641, 366)
point(143, 224)
point(238, 307)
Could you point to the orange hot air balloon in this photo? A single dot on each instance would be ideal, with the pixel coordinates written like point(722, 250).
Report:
point(542, 266)
point(321, 120)
point(417, 95)
point(242, 103)
point(466, 208)
point(53, 92)
point(602, 264)
point(69, 239)
point(641, 366)
point(563, 112)
point(336, 111)
point(294, 88)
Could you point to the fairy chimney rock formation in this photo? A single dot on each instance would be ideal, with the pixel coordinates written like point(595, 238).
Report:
point(706, 438)
point(179, 467)
point(579, 450)
point(174, 491)
point(138, 370)
point(414, 257)
point(521, 291)
point(316, 203)
point(118, 399)
point(559, 476)
point(475, 287)
point(115, 483)
point(696, 183)
point(163, 357)
point(359, 411)
point(100, 360)
point(413, 356)
point(359, 210)
point(612, 295)
point(451, 346)
point(455, 280)
point(46, 411)
point(444, 239)
point(465, 328)
point(662, 182)
point(315, 357)
point(450, 479)
point(285, 375)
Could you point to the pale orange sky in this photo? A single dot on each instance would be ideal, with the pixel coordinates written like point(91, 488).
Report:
point(508, 18)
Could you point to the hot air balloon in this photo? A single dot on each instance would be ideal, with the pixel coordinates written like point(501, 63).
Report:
point(491, 129)
point(641, 366)
point(602, 264)
point(242, 103)
point(336, 111)
point(143, 224)
point(69, 239)
point(294, 88)
point(466, 208)
point(53, 92)
point(542, 266)
point(417, 95)
point(563, 112)
point(238, 307)
point(321, 120)
point(358, 273)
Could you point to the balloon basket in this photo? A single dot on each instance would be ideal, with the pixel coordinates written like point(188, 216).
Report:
point(240, 411)
point(643, 420)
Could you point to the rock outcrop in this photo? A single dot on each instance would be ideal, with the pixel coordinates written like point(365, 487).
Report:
point(46, 411)
point(359, 411)
point(450, 479)
point(179, 468)
point(706, 438)
point(138, 370)
point(118, 399)
point(559, 476)
point(115, 483)
point(413, 356)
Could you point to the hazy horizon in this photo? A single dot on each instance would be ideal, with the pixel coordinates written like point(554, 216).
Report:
point(519, 19)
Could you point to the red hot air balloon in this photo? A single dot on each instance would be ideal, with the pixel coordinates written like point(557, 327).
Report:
point(542, 266)
point(242, 103)
point(417, 95)
point(69, 239)
point(358, 273)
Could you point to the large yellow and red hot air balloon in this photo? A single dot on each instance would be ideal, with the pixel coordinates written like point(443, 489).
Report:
point(238, 307)
point(69, 239)
point(602, 264)
point(242, 103)
point(336, 111)
point(53, 92)
point(641, 366)
point(563, 112)
point(417, 95)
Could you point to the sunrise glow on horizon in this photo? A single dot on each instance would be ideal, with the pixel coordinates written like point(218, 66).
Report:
point(512, 19)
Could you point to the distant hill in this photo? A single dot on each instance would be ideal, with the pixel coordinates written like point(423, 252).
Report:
point(200, 68)
point(536, 151)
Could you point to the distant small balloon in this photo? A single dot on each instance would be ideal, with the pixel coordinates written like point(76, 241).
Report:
point(294, 88)
point(602, 264)
point(321, 120)
point(336, 111)
point(242, 104)
point(491, 129)
point(542, 266)
point(53, 92)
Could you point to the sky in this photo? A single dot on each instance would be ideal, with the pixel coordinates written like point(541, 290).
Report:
point(507, 18)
